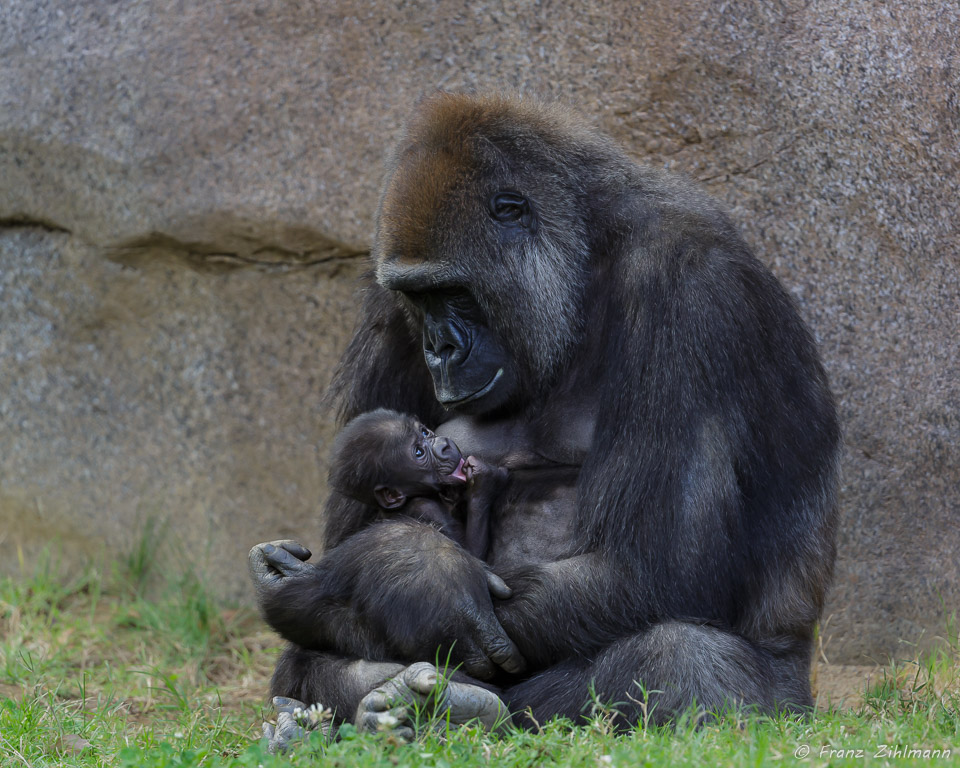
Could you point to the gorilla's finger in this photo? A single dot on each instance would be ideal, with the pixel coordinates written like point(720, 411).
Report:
point(257, 561)
point(283, 561)
point(475, 661)
point(465, 703)
point(275, 560)
point(288, 727)
point(461, 702)
point(295, 548)
point(500, 648)
point(285, 704)
point(395, 719)
point(384, 699)
point(402, 714)
point(421, 678)
point(497, 586)
point(286, 733)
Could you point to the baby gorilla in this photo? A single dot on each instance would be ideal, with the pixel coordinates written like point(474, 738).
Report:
point(395, 465)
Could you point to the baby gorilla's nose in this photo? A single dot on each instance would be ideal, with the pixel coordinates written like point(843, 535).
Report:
point(445, 448)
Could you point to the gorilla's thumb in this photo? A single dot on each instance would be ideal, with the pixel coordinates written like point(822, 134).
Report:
point(497, 586)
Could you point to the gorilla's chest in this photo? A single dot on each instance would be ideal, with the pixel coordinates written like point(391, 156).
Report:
point(533, 518)
point(532, 521)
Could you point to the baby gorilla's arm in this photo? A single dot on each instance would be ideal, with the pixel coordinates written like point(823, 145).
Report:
point(438, 514)
point(486, 482)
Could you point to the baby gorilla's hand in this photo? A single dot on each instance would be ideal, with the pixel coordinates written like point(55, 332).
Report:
point(483, 477)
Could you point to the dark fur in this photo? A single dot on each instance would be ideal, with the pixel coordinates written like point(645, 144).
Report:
point(374, 451)
point(701, 538)
point(366, 453)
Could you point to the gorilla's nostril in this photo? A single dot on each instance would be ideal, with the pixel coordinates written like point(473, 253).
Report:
point(446, 352)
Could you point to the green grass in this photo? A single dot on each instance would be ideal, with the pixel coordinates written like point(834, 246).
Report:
point(93, 673)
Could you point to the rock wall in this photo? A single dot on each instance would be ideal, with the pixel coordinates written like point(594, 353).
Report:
point(186, 192)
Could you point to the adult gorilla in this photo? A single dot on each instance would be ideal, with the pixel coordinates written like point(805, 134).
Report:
point(602, 330)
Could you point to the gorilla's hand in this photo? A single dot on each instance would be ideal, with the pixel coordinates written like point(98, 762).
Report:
point(419, 592)
point(480, 643)
point(272, 562)
point(482, 476)
point(292, 595)
point(288, 731)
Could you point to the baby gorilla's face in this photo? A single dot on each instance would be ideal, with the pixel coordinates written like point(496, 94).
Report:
point(415, 463)
point(433, 460)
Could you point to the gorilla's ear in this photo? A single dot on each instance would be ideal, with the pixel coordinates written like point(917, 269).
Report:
point(389, 498)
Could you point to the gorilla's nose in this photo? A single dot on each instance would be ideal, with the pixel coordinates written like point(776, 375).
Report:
point(445, 448)
point(445, 342)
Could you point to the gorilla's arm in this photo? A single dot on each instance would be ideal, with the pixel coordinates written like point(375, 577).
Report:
point(437, 514)
point(486, 483)
point(721, 511)
point(568, 608)
point(377, 595)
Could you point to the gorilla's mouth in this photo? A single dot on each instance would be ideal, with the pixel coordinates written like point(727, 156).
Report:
point(458, 474)
point(479, 393)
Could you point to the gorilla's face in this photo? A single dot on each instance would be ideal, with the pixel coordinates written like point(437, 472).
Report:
point(471, 367)
point(487, 258)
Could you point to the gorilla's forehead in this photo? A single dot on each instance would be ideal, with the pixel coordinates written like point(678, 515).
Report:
point(422, 195)
point(437, 183)
point(433, 226)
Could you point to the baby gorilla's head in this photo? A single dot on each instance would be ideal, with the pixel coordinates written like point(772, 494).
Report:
point(383, 457)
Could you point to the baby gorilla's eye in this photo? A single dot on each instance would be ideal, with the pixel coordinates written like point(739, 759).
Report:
point(424, 431)
point(418, 451)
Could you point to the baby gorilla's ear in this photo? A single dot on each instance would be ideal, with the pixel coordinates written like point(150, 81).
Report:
point(389, 498)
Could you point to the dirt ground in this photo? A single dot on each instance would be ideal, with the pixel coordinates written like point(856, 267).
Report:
point(842, 685)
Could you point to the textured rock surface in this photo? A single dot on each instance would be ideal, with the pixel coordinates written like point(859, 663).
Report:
point(184, 190)
point(161, 397)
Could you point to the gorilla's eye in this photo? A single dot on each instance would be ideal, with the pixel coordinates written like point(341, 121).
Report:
point(510, 208)
point(424, 431)
point(418, 451)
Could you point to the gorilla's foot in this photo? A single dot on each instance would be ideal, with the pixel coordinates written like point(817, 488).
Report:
point(420, 696)
point(294, 720)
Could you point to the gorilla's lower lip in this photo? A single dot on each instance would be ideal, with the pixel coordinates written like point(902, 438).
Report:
point(479, 393)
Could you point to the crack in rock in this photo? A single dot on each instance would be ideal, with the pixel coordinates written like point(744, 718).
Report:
point(244, 253)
